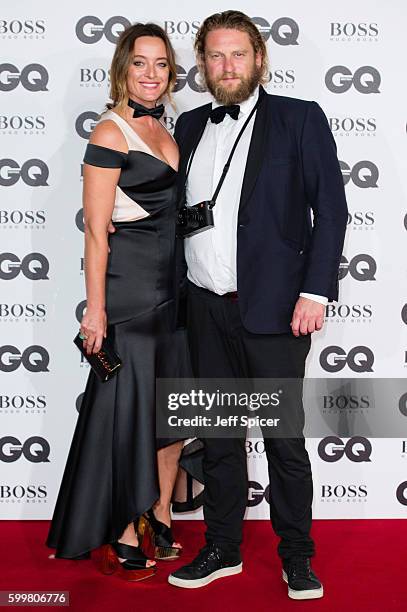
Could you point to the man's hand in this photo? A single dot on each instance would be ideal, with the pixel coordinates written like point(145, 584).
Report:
point(308, 316)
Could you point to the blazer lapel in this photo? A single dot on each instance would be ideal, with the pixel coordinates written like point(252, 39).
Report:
point(255, 155)
point(195, 131)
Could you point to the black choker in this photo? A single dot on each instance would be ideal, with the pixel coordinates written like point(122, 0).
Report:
point(142, 111)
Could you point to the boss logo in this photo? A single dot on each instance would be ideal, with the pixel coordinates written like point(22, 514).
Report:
point(256, 494)
point(366, 79)
point(91, 29)
point(28, 26)
point(401, 493)
point(19, 492)
point(344, 311)
point(20, 122)
point(361, 220)
point(94, 77)
point(359, 359)
point(255, 446)
point(281, 78)
point(169, 123)
point(351, 30)
point(16, 311)
point(17, 402)
point(85, 123)
point(80, 310)
point(181, 28)
point(342, 492)
point(33, 172)
point(356, 449)
point(33, 77)
point(22, 217)
point(33, 266)
point(284, 31)
point(35, 449)
point(349, 125)
point(364, 174)
point(34, 358)
point(346, 402)
point(361, 267)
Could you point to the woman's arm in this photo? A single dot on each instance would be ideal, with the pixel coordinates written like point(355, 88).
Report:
point(99, 187)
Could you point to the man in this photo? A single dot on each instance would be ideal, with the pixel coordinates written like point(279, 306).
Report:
point(259, 280)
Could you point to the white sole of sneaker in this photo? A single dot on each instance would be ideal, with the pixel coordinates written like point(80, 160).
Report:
point(201, 582)
point(309, 594)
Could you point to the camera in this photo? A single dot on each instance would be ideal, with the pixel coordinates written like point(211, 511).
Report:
point(195, 219)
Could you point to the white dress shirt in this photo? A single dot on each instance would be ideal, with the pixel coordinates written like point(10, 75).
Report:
point(211, 255)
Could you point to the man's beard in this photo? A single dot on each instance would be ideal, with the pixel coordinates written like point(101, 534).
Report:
point(237, 95)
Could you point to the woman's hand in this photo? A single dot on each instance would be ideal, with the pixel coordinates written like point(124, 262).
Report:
point(93, 327)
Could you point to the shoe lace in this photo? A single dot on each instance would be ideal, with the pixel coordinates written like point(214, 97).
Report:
point(299, 567)
point(207, 552)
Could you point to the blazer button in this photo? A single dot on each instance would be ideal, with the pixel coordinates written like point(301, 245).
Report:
point(301, 252)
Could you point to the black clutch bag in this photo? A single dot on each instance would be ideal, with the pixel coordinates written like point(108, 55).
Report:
point(106, 363)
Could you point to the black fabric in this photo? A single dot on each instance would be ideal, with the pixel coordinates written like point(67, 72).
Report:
point(110, 477)
point(218, 113)
point(221, 347)
point(142, 111)
point(96, 155)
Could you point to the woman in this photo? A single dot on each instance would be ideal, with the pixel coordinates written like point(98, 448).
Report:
point(114, 474)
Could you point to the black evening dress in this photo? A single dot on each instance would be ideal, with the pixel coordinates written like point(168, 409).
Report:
point(111, 476)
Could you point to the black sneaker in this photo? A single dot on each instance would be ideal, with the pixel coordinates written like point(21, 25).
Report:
point(302, 582)
point(210, 564)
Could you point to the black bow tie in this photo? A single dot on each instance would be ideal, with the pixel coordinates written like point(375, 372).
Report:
point(219, 112)
point(141, 111)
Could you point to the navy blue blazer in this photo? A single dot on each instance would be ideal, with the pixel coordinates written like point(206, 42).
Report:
point(292, 169)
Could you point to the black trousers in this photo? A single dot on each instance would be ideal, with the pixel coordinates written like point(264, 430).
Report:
point(222, 348)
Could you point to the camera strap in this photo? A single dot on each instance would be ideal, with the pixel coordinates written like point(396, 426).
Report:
point(227, 165)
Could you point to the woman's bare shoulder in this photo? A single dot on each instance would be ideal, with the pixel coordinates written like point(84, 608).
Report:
point(108, 134)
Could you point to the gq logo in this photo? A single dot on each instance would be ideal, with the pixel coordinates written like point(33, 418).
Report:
point(33, 266)
point(79, 311)
point(33, 172)
point(339, 79)
point(85, 123)
point(356, 449)
point(34, 358)
point(78, 403)
point(361, 267)
point(33, 77)
point(403, 404)
point(184, 77)
point(91, 29)
point(284, 31)
point(80, 224)
point(359, 359)
point(256, 494)
point(35, 449)
point(401, 493)
point(364, 174)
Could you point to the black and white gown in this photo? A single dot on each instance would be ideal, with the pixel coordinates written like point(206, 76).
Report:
point(110, 476)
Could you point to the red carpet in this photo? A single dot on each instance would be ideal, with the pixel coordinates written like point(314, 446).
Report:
point(361, 563)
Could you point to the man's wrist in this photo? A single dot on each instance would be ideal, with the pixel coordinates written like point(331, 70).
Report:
point(321, 299)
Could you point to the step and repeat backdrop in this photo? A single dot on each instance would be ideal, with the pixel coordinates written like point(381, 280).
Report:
point(54, 82)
